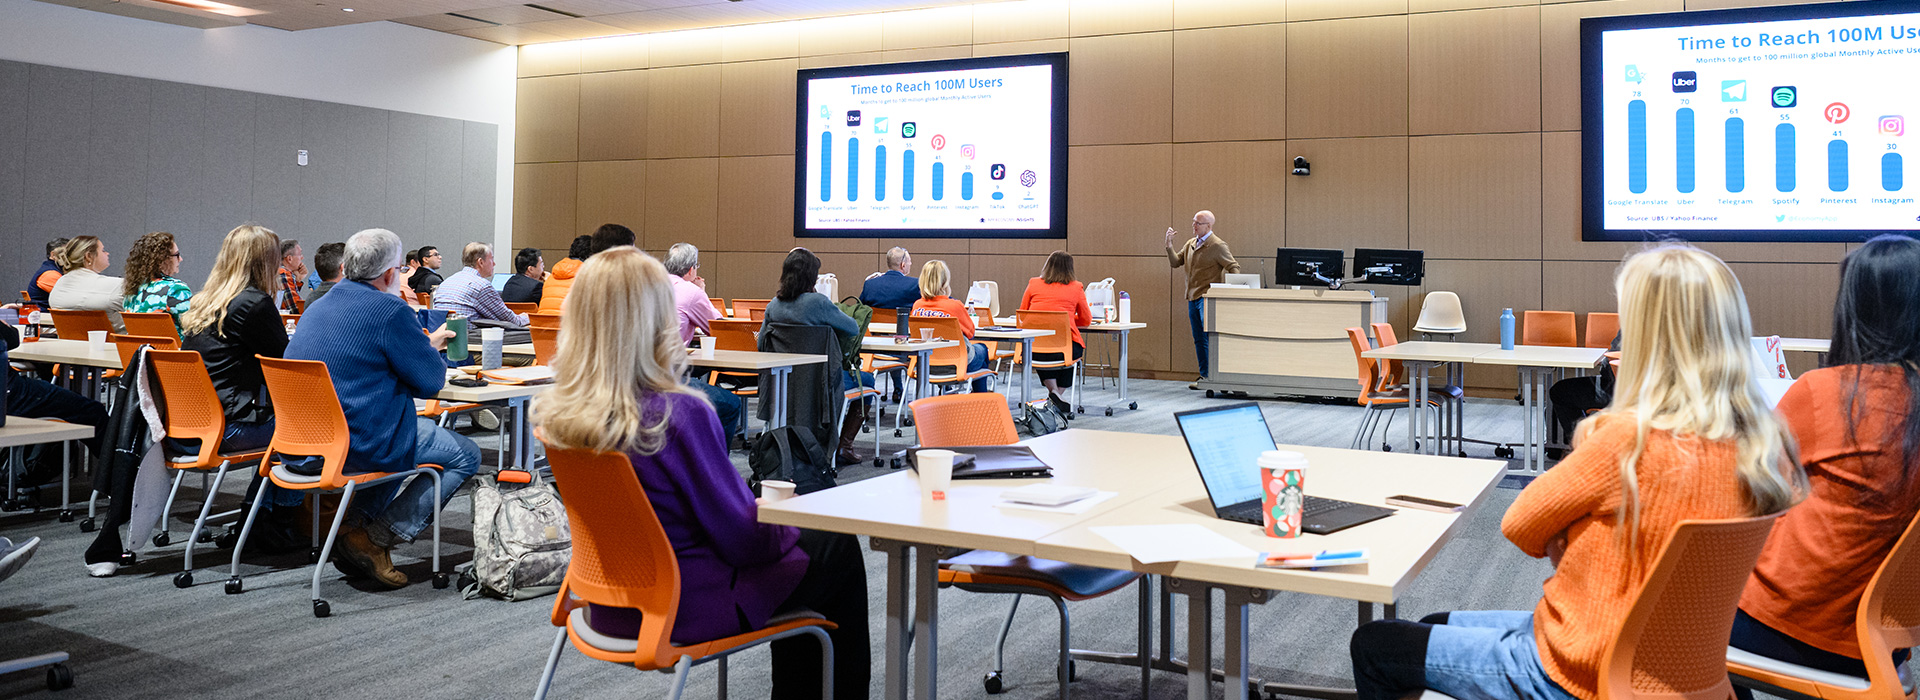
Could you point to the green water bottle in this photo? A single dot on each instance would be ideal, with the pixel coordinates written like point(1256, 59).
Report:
point(457, 347)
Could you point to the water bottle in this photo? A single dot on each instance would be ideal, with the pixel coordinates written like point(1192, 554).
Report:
point(492, 342)
point(457, 347)
point(1506, 329)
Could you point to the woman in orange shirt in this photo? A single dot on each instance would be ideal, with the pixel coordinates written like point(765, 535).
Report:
point(1858, 423)
point(1688, 436)
point(1056, 290)
point(936, 283)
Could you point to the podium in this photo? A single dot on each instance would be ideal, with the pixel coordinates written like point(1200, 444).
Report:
point(1286, 341)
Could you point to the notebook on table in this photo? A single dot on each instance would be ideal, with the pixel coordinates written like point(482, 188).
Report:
point(1226, 442)
point(991, 462)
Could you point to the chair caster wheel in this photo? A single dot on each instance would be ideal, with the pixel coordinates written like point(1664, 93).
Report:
point(9, 505)
point(86, 525)
point(1209, 393)
point(1133, 405)
point(162, 539)
point(322, 609)
point(234, 587)
point(441, 580)
point(1503, 452)
point(878, 463)
point(1386, 448)
point(183, 579)
point(206, 536)
point(1463, 453)
point(1081, 410)
point(1109, 413)
point(128, 560)
point(992, 682)
point(66, 516)
point(59, 677)
point(226, 540)
point(313, 556)
point(898, 433)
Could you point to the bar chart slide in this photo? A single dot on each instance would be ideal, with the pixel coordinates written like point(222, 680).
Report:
point(1789, 125)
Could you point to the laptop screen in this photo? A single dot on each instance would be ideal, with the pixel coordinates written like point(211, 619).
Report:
point(1226, 443)
point(500, 280)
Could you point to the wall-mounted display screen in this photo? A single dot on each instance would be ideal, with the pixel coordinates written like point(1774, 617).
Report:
point(1762, 124)
point(961, 148)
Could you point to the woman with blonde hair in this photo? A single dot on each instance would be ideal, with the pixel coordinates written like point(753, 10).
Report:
point(1688, 436)
point(936, 300)
point(150, 284)
point(82, 287)
point(617, 388)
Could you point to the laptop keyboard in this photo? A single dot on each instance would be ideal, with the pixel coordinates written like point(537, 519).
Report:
point(1249, 512)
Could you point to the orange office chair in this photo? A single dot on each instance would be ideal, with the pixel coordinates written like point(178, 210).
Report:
point(158, 324)
point(544, 320)
point(426, 299)
point(982, 419)
point(523, 307)
point(999, 353)
point(953, 359)
point(622, 558)
point(1888, 619)
point(74, 325)
point(1392, 379)
point(1549, 328)
point(1601, 328)
point(308, 421)
point(546, 342)
point(735, 334)
point(719, 305)
point(746, 308)
point(193, 412)
point(1061, 323)
point(886, 316)
point(1374, 394)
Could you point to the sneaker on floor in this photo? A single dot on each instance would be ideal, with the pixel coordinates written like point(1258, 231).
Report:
point(13, 556)
point(358, 551)
point(486, 419)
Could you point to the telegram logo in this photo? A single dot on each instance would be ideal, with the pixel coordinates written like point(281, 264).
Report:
point(1733, 91)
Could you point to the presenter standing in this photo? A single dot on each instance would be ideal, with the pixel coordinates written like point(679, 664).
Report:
point(1207, 260)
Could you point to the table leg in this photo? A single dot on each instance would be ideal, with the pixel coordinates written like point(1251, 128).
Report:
point(926, 622)
point(1540, 377)
point(1026, 367)
point(1236, 620)
point(1123, 368)
point(1457, 376)
point(1199, 638)
point(1526, 402)
point(520, 433)
point(895, 664)
point(778, 395)
point(924, 388)
point(1414, 369)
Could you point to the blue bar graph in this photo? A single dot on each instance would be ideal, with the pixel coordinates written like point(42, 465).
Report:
point(1683, 149)
point(1783, 158)
point(826, 166)
point(1637, 146)
point(966, 186)
point(1892, 175)
point(853, 169)
point(939, 180)
point(1736, 155)
point(906, 175)
point(880, 173)
point(1837, 165)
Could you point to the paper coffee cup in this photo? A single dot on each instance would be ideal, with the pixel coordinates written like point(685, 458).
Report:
point(707, 345)
point(97, 341)
point(936, 472)
point(776, 491)
point(1283, 484)
point(926, 334)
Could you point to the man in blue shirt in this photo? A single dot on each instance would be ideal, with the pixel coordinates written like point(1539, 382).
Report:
point(380, 362)
point(894, 288)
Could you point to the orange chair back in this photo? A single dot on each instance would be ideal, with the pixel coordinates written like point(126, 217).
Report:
point(983, 317)
point(621, 554)
point(964, 419)
point(1601, 327)
point(130, 344)
point(193, 410)
point(733, 334)
point(946, 328)
point(1673, 643)
point(546, 342)
point(1060, 322)
point(1549, 328)
point(544, 320)
point(307, 416)
point(719, 305)
point(1384, 336)
point(523, 307)
point(157, 324)
point(1369, 370)
point(74, 325)
point(886, 316)
point(746, 308)
point(426, 299)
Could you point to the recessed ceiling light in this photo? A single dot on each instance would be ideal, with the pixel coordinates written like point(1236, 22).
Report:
point(346, 9)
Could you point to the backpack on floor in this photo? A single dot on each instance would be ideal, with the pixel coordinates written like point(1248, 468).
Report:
point(1039, 418)
point(791, 454)
point(521, 542)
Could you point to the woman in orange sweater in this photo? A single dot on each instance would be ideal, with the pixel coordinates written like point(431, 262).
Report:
point(936, 284)
point(1056, 290)
point(1688, 436)
point(1858, 423)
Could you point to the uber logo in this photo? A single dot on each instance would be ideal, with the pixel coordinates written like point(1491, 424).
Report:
point(1685, 81)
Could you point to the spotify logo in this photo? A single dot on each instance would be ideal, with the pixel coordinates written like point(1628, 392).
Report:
point(1785, 96)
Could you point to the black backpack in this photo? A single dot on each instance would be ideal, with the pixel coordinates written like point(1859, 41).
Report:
point(791, 454)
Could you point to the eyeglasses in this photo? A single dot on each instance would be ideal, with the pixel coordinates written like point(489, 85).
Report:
point(176, 255)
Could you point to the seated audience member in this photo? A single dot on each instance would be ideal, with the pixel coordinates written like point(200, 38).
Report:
point(1858, 424)
point(1573, 397)
point(530, 273)
point(612, 394)
point(232, 325)
point(936, 283)
point(425, 278)
point(150, 285)
point(1687, 437)
point(610, 236)
point(694, 312)
point(82, 287)
point(1056, 290)
point(293, 275)
point(470, 293)
point(555, 290)
point(892, 288)
point(327, 262)
point(797, 304)
point(46, 275)
point(380, 362)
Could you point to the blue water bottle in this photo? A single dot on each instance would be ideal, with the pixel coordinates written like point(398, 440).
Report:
point(1506, 329)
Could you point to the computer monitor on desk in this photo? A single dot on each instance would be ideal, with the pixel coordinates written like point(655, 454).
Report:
point(1389, 266)
point(1248, 280)
point(1310, 267)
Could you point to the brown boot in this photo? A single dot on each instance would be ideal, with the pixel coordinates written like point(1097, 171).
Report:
point(360, 553)
point(850, 433)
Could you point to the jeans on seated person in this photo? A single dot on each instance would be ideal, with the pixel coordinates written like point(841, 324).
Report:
point(725, 403)
point(32, 398)
point(245, 437)
point(976, 361)
point(1755, 636)
point(1489, 655)
point(850, 379)
point(394, 516)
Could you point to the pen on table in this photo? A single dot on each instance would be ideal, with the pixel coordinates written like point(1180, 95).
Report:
point(1349, 554)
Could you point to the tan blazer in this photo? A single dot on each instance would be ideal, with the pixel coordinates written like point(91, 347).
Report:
point(1205, 264)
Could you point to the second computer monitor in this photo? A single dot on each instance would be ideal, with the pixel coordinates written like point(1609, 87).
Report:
point(1389, 265)
point(1298, 267)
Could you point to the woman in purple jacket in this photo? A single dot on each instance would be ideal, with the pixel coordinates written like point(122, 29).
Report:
point(618, 388)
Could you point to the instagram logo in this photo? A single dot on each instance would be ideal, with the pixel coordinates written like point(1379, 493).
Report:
point(1893, 125)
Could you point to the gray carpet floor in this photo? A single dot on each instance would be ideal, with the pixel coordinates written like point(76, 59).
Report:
point(135, 635)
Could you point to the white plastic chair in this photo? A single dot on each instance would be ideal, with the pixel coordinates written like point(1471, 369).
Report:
point(1440, 314)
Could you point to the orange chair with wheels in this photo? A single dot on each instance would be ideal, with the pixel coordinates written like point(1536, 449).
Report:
point(960, 420)
point(1061, 323)
point(1601, 328)
point(157, 324)
point(546, 342)
point(735, 334)
point(193, 412)
point(544, 320)
point(1374, 394)
point(1888, 619)
point(308, 422)
point(622, 558)
point(745, 308)
point(1549, 328)
point(953, 359)
point(74, 325)
point(1000, 352)
point(1392, 379)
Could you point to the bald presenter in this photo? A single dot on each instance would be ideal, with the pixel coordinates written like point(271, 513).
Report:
point(1207, 260)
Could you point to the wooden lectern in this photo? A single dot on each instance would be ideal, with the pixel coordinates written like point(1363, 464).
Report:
point(1286, 341)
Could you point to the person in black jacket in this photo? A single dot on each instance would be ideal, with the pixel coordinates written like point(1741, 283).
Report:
point(424, 278)
point(529, 280)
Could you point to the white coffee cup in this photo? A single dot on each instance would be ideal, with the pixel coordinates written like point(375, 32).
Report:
point(936, 472)
point(707, 345)
point(776, 491)
point(97, 341)
point(926, 334)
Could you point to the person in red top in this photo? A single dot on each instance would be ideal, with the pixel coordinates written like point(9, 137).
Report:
point(936, 283)
point(1688, 436)
point(1056, 290)
point(1858, 423)
point(293, 274)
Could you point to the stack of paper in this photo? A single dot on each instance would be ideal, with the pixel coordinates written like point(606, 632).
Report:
point(1153, 544)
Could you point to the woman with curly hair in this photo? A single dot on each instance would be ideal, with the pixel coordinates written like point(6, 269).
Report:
point(150, 284)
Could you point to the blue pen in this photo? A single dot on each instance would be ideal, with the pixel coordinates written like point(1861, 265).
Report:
point(1350, 554)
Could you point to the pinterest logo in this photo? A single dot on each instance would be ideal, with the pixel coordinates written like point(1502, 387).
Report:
point(1838, 112)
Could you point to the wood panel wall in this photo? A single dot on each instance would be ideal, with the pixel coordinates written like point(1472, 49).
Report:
point(1445, 125)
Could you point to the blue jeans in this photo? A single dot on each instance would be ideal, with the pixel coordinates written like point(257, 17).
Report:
point(976, 361)
point(1487, 655)
point(726, 404)
point(1194, 312)
point(393, 515)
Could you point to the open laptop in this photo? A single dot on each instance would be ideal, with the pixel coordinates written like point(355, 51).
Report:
point(1225, 442)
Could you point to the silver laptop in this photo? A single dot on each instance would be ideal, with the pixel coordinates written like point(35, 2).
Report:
point(1226, 442)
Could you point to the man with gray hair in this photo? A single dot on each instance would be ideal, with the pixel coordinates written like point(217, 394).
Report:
point(697, 314)
point(380, 362)
point(894, 288)
point(470, 292)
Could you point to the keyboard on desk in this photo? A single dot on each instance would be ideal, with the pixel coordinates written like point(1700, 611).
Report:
point(1318, 515)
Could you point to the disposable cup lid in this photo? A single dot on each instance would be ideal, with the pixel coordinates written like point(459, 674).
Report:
point(1283, 459)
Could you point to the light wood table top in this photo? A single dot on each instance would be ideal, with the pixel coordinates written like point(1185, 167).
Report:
point(749, 359)
point(33, 431)
point(979, 334)
point(878, 344)
point(1806, 344)
point(1540, 356)
point(490, 392)
point(1430, 351)
point(1097, 327)
point(70, 352)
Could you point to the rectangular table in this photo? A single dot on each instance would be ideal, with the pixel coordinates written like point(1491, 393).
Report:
point(1156, 483)
point(21, 431)
point(1819, 345)
point(1025, 337)
point(921, 351)
point(1119, 329)
point(84, 366)
point(1536, 364)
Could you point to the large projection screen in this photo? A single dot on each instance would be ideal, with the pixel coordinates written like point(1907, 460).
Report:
point(972, 148)
point(1761, 124)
